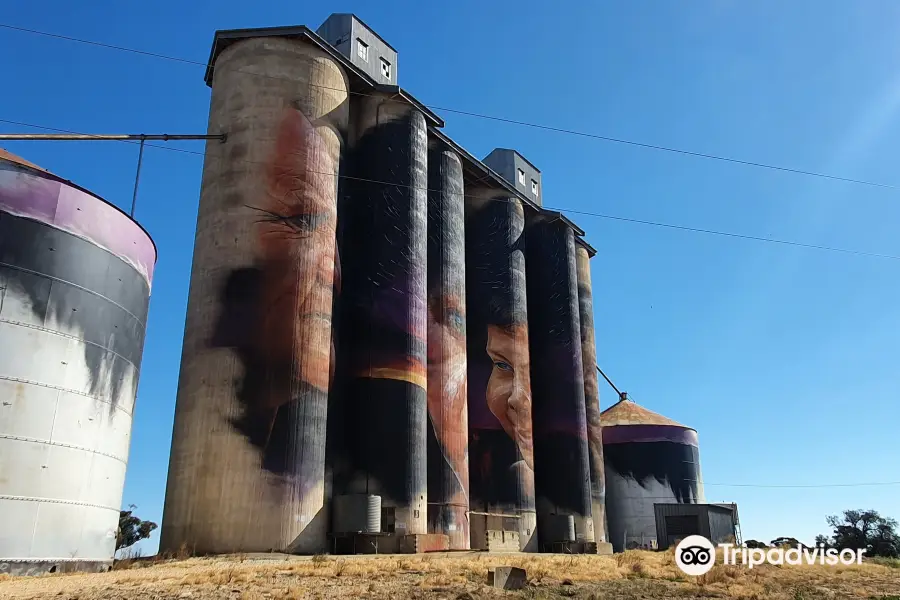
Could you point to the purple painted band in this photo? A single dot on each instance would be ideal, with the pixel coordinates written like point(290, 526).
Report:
point(33, 194)
point(624, 434)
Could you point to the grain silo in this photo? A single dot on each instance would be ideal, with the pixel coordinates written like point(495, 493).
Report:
point(448, 430)
point(383, 299)
point(561, 463)
point(583, 254)
point(501, 453)
point(247, 468)
point(649, 459)
point(75, 275)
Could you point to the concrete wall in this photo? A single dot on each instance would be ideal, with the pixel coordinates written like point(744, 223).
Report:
point(247, 468)
point(75, 277)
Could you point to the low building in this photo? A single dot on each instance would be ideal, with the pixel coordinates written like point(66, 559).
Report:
point(716, 522)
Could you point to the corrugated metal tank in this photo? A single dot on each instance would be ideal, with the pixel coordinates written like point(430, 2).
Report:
point(649, 459)
point(561, 463)
point(384, 319)
point(501, 454)
point(448, 431)
point(75, 276)
point(591, 391)
point(354, 513)
point(247, 468)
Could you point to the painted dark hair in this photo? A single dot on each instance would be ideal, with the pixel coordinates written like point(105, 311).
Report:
point(496, 265)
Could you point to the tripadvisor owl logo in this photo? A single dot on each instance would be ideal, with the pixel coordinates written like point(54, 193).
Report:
point(695, 555)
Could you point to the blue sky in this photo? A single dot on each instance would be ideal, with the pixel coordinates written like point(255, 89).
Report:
point(783, 358)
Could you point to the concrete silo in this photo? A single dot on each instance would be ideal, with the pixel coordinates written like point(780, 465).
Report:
point(649, 459)
point(583, 254)
point(247, 469)
point(562, 465)
point(448, 431)
point(383, 334)
point(75, 276)
point(501, 453)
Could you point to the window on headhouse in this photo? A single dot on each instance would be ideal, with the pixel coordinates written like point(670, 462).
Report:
point(521, 174)
point(362, 50)
point(386, 68)
point(534, 189)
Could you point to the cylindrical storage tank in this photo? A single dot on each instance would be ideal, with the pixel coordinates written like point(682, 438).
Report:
point(75, 276)
point(247, 466)
point(500, 426)
point(384, 320)
point(649, 460)
point(448, 430)
point(591, 390)
point(357, 513)
point(562, 469)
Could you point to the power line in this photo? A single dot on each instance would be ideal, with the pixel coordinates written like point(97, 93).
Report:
point(818, 485)
point(552, 208)
point(480, 115)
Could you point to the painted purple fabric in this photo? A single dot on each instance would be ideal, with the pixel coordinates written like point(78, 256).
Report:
point(28, 193)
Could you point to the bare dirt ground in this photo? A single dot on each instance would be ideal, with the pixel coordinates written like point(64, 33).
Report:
point(463, 576)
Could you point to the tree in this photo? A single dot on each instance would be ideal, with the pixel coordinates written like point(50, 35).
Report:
point(132, 529)
point(754, 544)
point(855, 529)
point(786, 541)
point(823, 541)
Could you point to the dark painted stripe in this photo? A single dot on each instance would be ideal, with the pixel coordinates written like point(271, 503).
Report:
point(35, 247)
point(625, 434)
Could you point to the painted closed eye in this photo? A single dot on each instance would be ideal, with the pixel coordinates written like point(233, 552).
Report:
point(305, 224)
point(502, 365)
point(300, 224)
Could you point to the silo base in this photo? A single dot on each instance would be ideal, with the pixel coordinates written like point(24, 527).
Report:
point(24, 568)
point(574, 548)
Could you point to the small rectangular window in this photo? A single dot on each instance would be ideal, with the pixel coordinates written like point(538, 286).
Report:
point(521, 176)
point(362, 50)
point(534, 189)
point(386, 68)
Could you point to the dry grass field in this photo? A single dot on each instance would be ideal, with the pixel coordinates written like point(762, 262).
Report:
point(458, 576)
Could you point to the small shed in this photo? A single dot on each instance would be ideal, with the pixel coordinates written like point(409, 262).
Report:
point(716, 522)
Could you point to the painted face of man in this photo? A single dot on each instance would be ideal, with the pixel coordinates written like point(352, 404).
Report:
point(509, 386)
point(447, 376)
point(296, 234)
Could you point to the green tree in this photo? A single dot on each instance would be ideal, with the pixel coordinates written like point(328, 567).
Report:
point(786, 541)
point(867, 529)
point(132, 529)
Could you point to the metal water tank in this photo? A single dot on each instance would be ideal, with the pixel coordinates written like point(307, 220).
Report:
point(357, 513)
point(75, 275)
point(649, 459)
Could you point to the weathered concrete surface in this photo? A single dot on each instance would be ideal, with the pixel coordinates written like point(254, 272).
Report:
point(218, 497)
point(507, 578)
